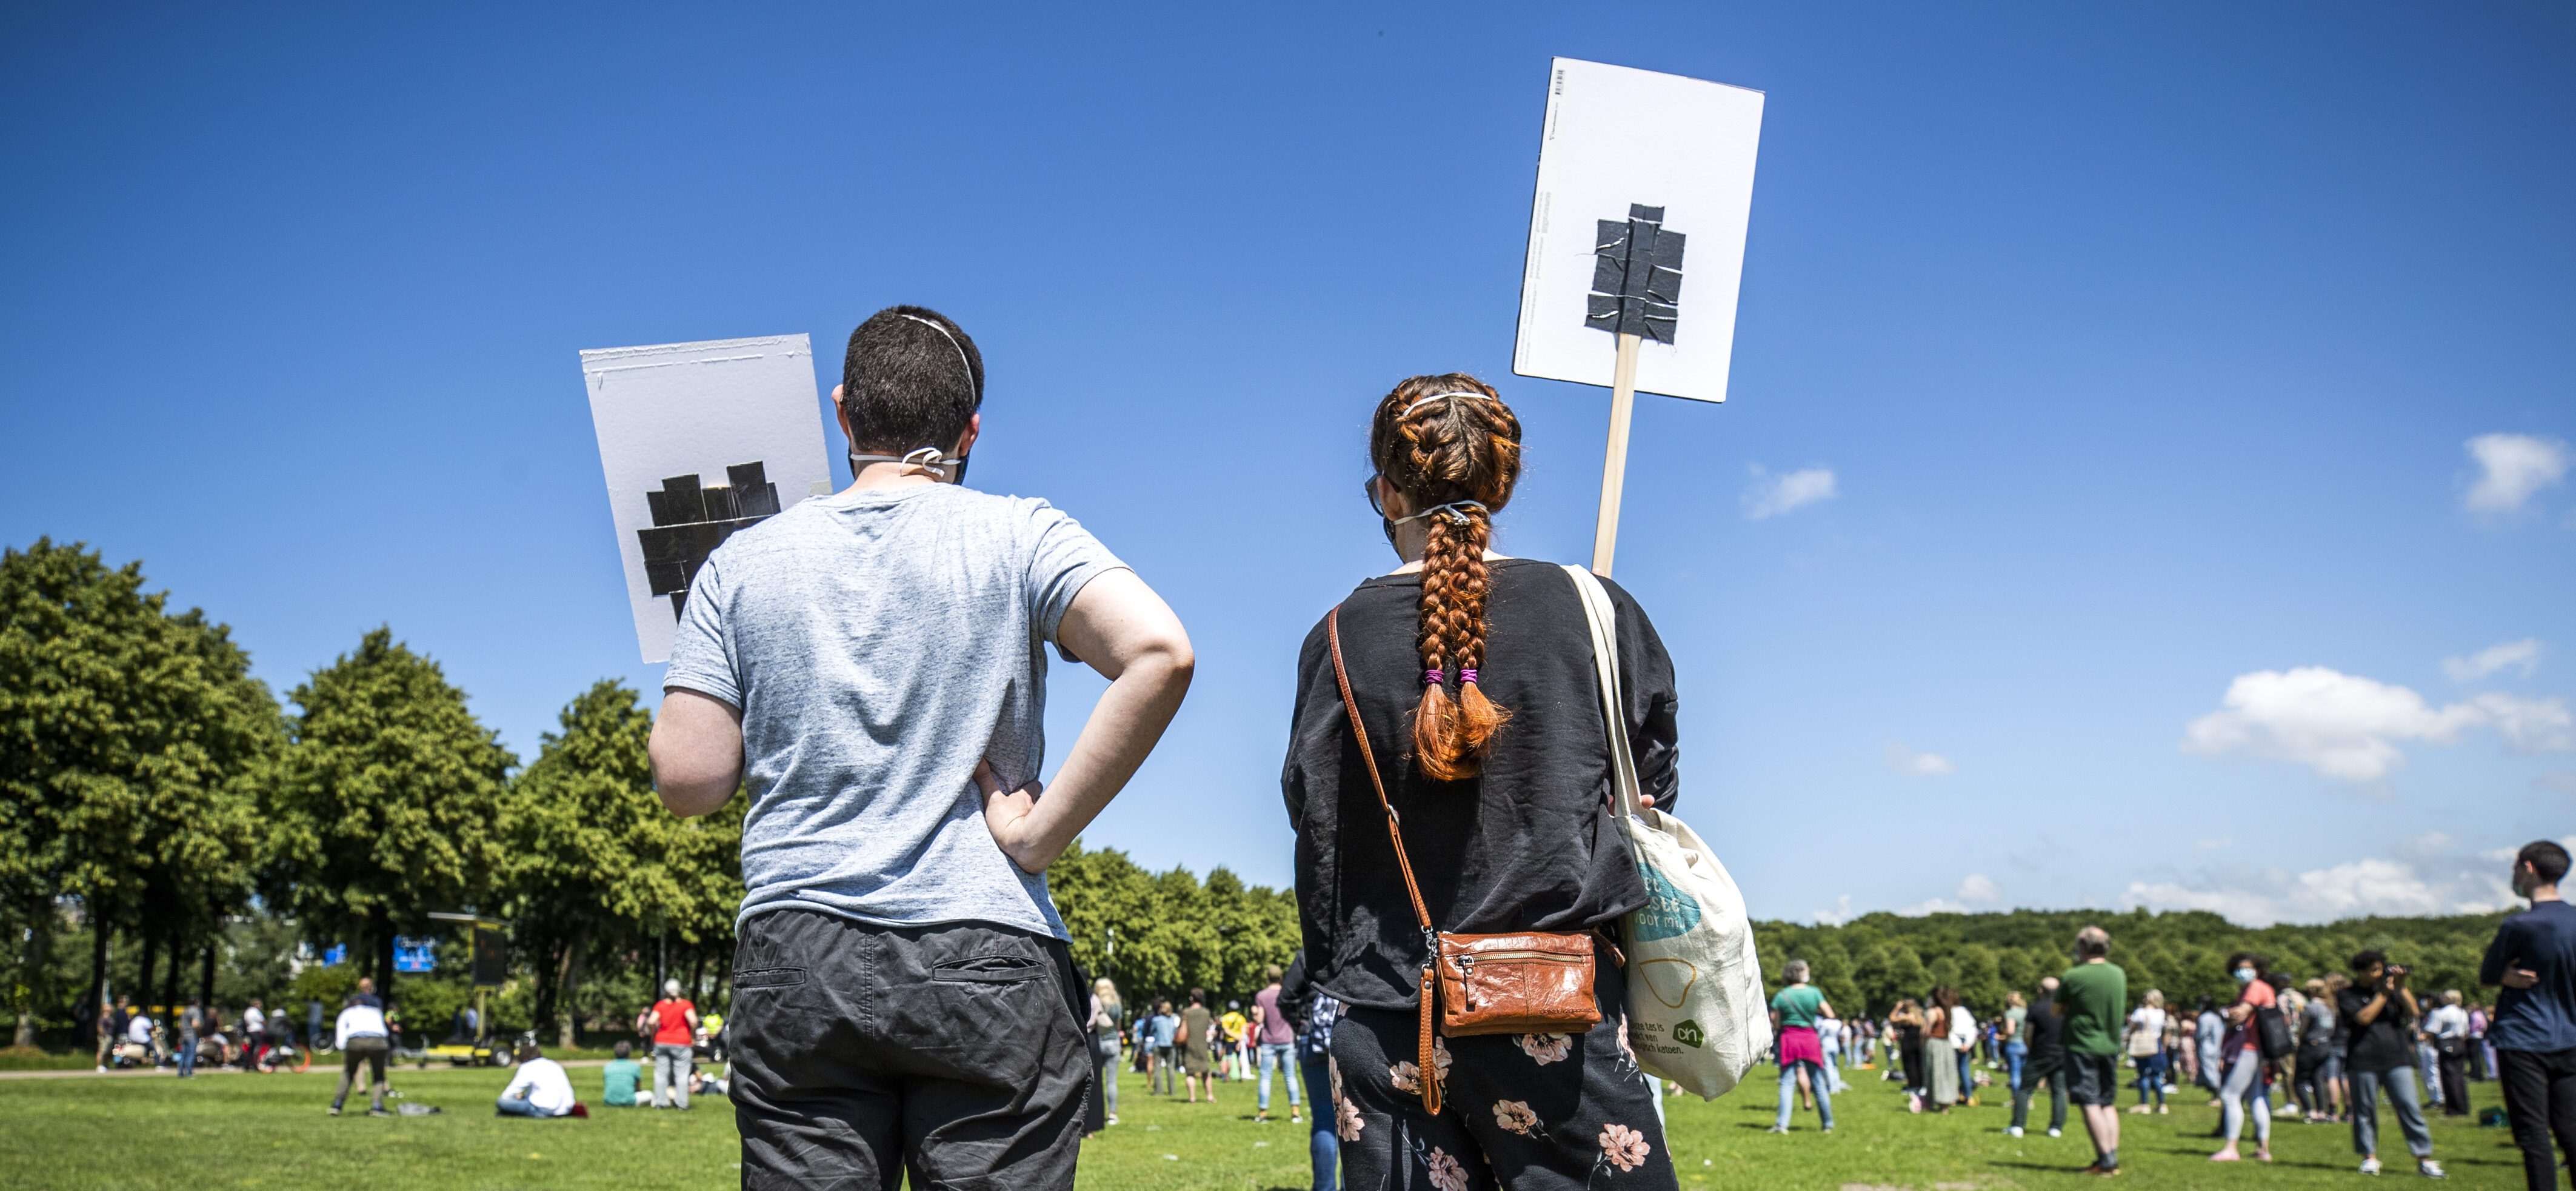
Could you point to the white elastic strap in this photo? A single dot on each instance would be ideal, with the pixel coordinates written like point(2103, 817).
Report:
point(1455, 512)
point(1418, 401)
point(1602, 616)
point(925, 458)
point(952, 342)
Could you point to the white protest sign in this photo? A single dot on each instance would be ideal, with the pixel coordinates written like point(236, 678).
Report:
point(1616, 140)
point(699, 440)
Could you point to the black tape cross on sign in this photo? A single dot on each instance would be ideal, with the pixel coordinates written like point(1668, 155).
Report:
point(1636, 276)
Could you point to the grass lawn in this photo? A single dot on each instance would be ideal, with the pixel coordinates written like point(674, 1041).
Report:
point(229, 1130)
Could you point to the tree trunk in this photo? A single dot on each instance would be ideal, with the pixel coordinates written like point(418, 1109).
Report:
point(380, 947)
point(564, 1012)
point(170, 984)
point(548, 972)
point(143, 975)
point(86, 1029)
point(206, 975)
point(26, 1031)
point(697, 962)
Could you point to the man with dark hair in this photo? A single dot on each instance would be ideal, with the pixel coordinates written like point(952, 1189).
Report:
point(2093, 997)
point(2534, 1026)
point(871, 667)
point(2044, 1058)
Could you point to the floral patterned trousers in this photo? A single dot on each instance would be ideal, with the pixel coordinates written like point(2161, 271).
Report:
point(1528, 1112)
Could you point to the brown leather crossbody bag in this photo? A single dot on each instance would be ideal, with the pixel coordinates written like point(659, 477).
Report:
point(1528, 982)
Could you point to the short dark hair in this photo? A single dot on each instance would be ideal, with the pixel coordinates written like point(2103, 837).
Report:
point(528, 1050)
point(911, 379)
point(624, 1048)
point(1198, 996)
point(2548, 861)
point(2365, 960)
point(2248, 959)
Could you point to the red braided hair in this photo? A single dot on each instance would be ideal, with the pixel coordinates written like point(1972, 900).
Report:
point(1462, 448)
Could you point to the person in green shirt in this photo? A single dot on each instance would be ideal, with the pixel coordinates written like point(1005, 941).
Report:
point(2093, 999)
point(1794, 1013)
point(621, 1073)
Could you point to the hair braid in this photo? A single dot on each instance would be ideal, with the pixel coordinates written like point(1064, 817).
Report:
point(1443, 452)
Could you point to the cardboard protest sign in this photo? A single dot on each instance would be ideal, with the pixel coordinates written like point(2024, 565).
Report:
point(699, 440)
point(1633, 167)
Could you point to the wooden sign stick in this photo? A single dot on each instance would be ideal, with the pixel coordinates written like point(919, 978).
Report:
point(1614, 462)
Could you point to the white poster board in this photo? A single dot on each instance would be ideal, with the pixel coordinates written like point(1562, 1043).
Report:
point(699, 440)
point(1617, 137)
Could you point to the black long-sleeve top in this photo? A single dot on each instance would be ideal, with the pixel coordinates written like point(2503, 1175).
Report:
point(1529, 845)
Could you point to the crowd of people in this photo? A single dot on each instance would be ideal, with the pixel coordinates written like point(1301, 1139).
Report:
point(2331, 1047)
point(1287, 1033)
point(198, 1034)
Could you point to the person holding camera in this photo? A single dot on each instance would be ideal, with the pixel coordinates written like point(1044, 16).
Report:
point(2378, 1010)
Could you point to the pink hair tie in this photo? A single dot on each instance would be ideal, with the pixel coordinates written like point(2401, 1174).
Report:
point(1466, 676)
point(1433, 678)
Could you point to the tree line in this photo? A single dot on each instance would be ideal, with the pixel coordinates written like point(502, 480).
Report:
point(165, 820)
point(1868, 964)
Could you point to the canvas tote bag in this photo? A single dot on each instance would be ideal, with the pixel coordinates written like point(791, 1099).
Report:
point(1696, 1013)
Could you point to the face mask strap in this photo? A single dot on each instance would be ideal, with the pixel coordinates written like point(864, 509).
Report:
point(1455, 512)
point(926, 458)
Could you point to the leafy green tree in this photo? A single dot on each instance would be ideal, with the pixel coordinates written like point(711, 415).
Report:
point(387, 804)
point(129, 740)
point(1174, 931)
point(598, 865)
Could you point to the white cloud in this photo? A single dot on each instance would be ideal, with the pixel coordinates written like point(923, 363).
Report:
point(1840, 914)
point(1907, 761)
point(2511, 467)
point(1770, 496)
point(2524, 653)
point(1976, 892)
point(2346, 726)
point(2529, 725)
point(2436, 879)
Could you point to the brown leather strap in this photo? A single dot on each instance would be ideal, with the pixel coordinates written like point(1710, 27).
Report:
point(1428, 1075)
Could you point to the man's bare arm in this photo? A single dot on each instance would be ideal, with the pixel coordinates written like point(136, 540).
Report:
point(1128, 634)
point(696, 751)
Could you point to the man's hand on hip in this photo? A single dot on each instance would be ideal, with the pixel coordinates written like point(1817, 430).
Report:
point(1123, 630)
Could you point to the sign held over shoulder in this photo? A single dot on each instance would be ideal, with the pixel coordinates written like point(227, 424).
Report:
point(699, 441)
point(1631, 165)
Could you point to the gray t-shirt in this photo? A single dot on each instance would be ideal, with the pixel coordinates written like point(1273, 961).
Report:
point(879, 643)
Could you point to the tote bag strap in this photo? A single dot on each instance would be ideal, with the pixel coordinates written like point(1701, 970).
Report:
point(1598, 612)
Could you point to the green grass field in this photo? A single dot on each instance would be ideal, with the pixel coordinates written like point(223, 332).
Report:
point(229, 1130)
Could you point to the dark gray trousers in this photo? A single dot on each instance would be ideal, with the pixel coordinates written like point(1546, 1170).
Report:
point(954, 1053)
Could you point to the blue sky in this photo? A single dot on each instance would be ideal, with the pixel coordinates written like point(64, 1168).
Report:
point(2193, 380)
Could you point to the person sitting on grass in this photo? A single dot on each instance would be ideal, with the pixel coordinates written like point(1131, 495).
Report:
point(539, 1089)
point(622, 1073)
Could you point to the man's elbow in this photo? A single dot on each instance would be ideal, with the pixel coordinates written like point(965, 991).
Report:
point(1171, 661)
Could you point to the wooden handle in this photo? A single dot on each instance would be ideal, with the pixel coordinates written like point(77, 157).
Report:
point(1614, 462)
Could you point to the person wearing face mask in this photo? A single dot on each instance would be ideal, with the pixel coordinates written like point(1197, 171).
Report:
point(2533, 958)
point(2242, 1084)
point(870, 668)
point(1454, 701)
